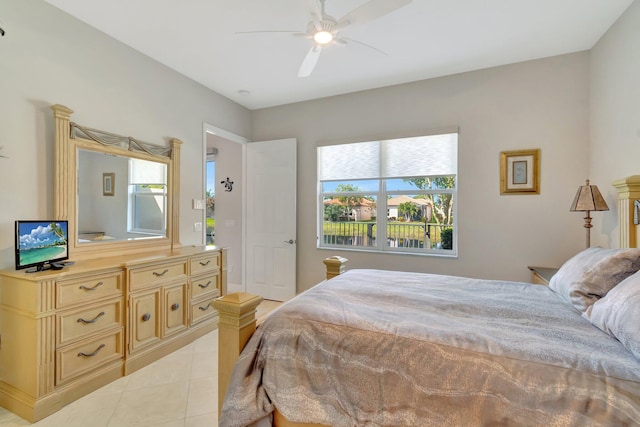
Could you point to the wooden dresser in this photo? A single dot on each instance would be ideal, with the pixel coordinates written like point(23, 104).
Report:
point(66, 333)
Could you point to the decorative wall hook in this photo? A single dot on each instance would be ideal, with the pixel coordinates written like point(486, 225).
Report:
point(228, 184)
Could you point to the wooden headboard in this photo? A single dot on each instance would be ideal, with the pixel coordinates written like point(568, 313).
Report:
point(628, 194)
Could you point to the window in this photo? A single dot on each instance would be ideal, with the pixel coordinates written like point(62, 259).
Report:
point(147, 196)
point(411, 181)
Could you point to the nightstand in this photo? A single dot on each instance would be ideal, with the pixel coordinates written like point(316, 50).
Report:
point(542, 275)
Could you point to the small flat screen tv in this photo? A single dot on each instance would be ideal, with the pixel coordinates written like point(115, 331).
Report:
point(42, 245)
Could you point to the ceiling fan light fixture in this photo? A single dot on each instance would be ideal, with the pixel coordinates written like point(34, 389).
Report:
point(323, 37)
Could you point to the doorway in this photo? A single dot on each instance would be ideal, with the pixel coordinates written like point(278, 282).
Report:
point(254, 213)
point(223, 207)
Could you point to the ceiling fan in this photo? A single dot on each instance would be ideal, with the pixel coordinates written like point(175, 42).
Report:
point(324, 29)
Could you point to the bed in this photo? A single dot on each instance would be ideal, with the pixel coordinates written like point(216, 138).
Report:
point(372, 347)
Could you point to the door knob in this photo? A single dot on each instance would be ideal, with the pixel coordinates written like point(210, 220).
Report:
point(290, 241)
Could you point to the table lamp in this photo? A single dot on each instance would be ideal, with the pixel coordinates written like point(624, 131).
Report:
point(588, 198)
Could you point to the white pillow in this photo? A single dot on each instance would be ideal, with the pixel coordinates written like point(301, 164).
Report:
point(618, 313)
point(590, 274)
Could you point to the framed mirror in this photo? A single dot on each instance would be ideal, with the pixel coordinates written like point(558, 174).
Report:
point(119, 195)
point(120, 198)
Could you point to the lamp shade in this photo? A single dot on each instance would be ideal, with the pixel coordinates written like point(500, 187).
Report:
point(588, 198)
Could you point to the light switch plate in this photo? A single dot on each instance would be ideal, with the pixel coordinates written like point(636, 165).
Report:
point(197, 204)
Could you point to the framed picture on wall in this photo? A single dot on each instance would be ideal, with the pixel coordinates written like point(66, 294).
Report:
point(108, 184)
point(520, 172)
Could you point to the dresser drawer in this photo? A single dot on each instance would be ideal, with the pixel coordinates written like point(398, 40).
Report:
point(75, 324)
point(87, 355)
point(141, 277)
point(86, 289)
point(208, 285)
point(202, 263)
point(202, 310)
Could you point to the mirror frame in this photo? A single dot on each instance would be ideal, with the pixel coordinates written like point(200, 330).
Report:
point(65, 188)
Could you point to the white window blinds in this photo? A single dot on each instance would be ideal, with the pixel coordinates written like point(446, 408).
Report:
point(146, 172)
point(395, 158)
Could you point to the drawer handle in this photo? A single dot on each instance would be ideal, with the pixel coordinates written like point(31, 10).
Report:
point(81, 320)
point(204, 286)
point(175, 306)
point(146, 317)
point(155, 273)
point(204, 264)
point(91, 288)
point(205, 308)
point(81, 354)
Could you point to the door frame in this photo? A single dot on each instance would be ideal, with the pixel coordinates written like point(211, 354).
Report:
point(210, 129)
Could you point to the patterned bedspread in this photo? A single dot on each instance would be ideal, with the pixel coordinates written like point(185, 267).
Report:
point(383, 348)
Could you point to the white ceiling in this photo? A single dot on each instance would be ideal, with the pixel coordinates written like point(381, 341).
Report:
point(425, 39)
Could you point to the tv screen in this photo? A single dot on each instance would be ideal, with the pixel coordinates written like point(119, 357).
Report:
point(41, 244)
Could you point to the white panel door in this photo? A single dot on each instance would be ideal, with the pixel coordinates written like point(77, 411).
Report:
point(271, 219)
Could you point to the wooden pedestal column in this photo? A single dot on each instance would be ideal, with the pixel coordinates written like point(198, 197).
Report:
point(335, 266)
point(237, 323)
point(237, 313)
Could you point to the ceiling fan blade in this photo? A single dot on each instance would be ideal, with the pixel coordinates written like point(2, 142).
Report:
point(369, 11)
point(318, 10)
point(268, 31)
point(344, 40)
point(310, 60)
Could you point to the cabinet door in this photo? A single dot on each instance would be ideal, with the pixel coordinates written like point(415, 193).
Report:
point(145, 320)
point(175, 303)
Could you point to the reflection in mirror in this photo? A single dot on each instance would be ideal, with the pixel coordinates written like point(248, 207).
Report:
point(120, 198)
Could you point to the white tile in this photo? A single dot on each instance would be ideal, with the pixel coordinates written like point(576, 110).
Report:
point(203, 397)
point(9, 419)
point(176, 423)
point(204, 420)
point(151, 405)
point(168, 370)
point(97, 408)
point(206, 343)
point(204, 365)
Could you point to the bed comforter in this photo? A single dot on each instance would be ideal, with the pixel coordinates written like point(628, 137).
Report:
point(383, 348)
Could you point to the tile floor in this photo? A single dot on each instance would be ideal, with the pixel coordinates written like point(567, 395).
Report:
point(179, 390)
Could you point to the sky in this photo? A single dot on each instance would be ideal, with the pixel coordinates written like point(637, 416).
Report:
point(38, 235)
point(211, 177)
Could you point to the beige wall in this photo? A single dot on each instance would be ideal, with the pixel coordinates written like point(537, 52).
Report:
point(537, 104)
point(615, 115)
point(47, 57)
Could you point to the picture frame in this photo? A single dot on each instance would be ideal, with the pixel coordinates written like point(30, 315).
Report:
point(108, 184)
point(520, 172)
